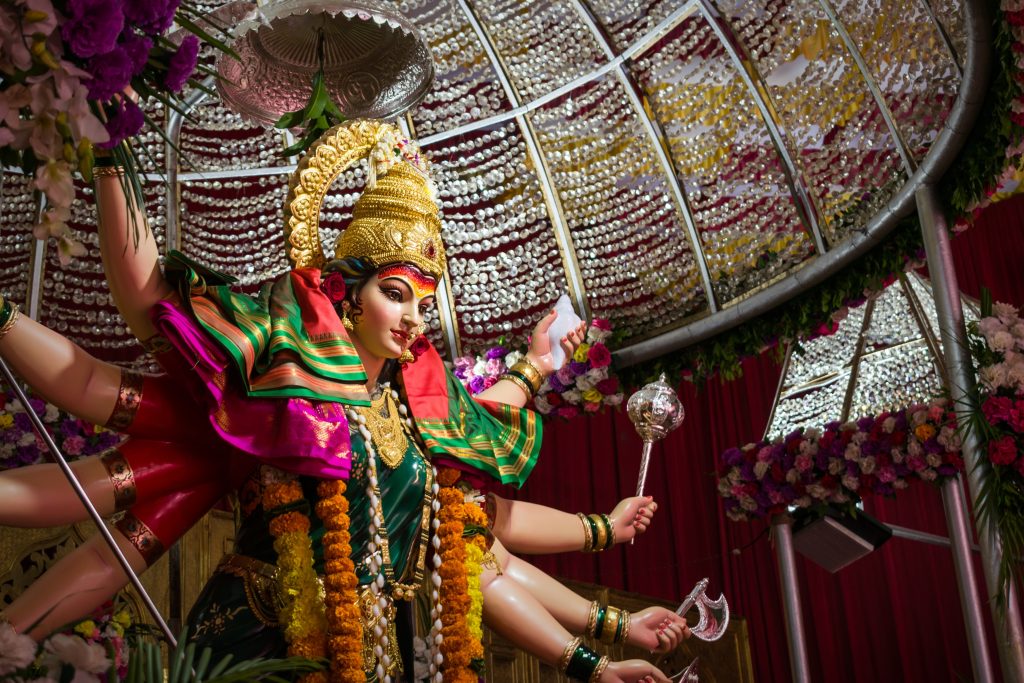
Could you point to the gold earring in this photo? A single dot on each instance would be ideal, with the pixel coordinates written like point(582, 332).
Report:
point(345, 322)
point(407, 357)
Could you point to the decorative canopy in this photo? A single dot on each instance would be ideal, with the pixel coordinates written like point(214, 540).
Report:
point(675, 166)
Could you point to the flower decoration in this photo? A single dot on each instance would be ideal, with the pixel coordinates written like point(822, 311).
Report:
point(333, 286)
point(95, 649)
point(585, 384)
point(996, 416)
point(878, 454)
point(19, 444)
point(64, 65)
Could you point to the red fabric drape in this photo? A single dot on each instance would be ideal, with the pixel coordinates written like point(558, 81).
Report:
point(892, 616)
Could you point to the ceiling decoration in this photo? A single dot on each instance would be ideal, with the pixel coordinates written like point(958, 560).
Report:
point(885, 355)
point(669, 164)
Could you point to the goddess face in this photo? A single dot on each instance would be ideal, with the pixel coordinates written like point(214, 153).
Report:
point(391, 307)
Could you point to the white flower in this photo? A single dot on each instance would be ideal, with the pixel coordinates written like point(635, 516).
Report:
point(52, 223)
point(86, 658)
point(851, 482)
point(613, 400)
point(583, 383)
point(852, 451)
point(54, 179)
point(888, 425)
point(597, 374)
point(27, 439)
point(994, 376)
point(817, 491)
point(867, 465)
point(748, 504)
point(761, 469)
point(16, 650)
point(480, 368)
point(52, 413)
point(1001, 341)
point(513, 357)
point(989, 326)
point(812, 434)
point(573, 396)
point(1006, 313)
point(541, 404)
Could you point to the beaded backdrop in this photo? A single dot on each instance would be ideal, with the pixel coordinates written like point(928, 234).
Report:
point(658, 160)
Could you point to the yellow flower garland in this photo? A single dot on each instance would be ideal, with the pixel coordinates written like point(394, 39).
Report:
point(456, 646)
point(301, 612)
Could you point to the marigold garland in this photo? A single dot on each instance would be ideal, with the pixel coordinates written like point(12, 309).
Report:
point(344, 627)
point(456, 647)
point(302, 612)
point(476, 546)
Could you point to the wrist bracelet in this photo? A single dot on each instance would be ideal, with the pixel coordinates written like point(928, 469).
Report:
point(567, 653)
point(8, 315)
point(582, 663)
point(602, 611)
point(592, 618)
point(519, 382)
point(611, 530)
point(628, 619)
point(529, 373)
point(588, 535)
point(601, 537)
point(602, 664)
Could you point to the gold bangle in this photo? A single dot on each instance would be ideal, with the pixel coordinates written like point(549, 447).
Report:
point(592, 618)
point(530, 372)
point(611, 625)
point(611, 530)
point(602, 664)
point(625, 626)
point(521, 384)
point(107, 171)
point(567, 653)
point(601, 542)
point(588, 538)
point(9, 323)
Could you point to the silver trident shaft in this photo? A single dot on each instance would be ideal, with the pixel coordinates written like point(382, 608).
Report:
point(80, 492)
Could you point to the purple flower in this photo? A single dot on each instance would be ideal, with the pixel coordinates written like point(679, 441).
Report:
point(92, 26)
point(22, 421)
point(555, 383)
point(733, 457)
point(27, 455)
point(124, 119)
point(38, 406)
point(111, 72)
point(69, 428)
point(136, 48)
point(476, 385)
point(108, 439)
point(579, 368)
point(152, 16)
point(182, 64)
point(497, 353)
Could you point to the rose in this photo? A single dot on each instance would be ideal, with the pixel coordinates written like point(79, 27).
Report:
point(420, 346)
point(599, 356)
point(580, 354)
point(1002, 451)
point(333, 286)
point(997, 408)
point(567, 411)
point(601, 324)
point(592, 396)
point(608, 386)
point(496, 353)
point(182, 64)
point(92, 26)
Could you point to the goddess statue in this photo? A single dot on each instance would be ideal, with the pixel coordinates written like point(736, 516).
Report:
point(356, 456)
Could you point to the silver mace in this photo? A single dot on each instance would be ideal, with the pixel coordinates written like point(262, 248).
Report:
point(654, 411)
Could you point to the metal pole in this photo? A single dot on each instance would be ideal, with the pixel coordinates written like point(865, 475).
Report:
point(80, 492)
point(961, 377)
point(791, 601)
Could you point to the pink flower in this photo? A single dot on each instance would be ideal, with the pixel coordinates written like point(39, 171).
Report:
point(601, 324)
point(803, 463)
point(1002, 451)
point(568, 411)
point(608, 386)
point(997, 408)
point(589, 407)
point(73, 445)
point(599, 356)
point(333, 286)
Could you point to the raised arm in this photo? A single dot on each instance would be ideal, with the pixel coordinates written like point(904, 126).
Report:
point(539, 357)
point(534, 529)
point(59, 370)
point(132, 266)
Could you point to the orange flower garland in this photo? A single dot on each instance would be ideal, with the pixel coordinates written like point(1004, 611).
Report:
point(302, 613)
point(476, 548)
point(456, 645)
point(344, 628)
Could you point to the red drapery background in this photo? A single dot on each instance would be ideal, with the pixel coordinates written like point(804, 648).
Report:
point(892, 616)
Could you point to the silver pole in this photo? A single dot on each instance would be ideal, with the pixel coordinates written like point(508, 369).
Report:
point(791, 602)
point(961, 377)
point(90, 508)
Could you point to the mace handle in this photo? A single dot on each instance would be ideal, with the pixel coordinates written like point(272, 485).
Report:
point(645, 460)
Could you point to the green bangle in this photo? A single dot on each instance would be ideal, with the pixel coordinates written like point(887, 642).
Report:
point(583, 662)
point(618, 628)
point(599, 625)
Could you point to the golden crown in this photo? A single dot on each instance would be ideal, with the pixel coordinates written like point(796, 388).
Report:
point(394, 220)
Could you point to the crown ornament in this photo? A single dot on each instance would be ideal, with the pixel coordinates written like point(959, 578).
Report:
point(395, 220)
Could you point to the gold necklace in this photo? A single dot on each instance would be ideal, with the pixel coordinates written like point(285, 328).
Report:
point(385, 424)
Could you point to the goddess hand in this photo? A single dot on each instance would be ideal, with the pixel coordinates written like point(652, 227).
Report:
point(540, 346)
point(632, 516)
point(632, 671)
point(657, 629)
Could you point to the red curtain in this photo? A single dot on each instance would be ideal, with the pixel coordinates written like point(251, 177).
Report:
point(892, 616)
